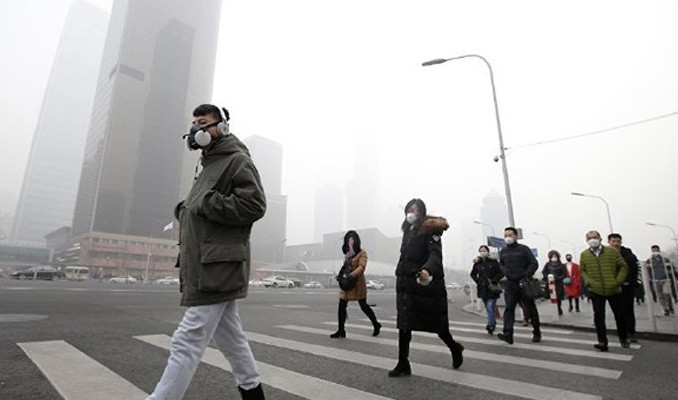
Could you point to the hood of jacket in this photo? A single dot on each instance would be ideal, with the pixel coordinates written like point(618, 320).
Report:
point(434, 225)
point(226, 145)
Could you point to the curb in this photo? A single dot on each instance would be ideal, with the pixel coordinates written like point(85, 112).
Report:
point(654, 336)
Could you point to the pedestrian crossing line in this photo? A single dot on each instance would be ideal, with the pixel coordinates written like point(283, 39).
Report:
point(496, 342)
point(526, 336)
point(477, 381)
point(75, 375)
point(522, 361)
point(289, 381)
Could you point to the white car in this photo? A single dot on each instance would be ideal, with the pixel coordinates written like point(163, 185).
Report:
point(256, 283)
point(313, 285)
point(375, 285)
point(278, 281)
point(454, 286)
point(168, 280)
point(123, 279)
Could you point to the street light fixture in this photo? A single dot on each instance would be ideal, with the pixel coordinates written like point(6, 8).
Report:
point(607, 205)
point(494, 233)
point(675, 237)
point(502, 153)
point(547, 238)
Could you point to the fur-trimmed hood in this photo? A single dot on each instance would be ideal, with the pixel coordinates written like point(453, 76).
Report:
point(434, 225)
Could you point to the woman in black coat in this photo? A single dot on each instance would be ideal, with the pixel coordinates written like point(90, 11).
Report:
point(557, 268)
point(421, 296)
point(486, 272)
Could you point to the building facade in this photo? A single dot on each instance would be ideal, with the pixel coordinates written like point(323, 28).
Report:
point(50, 185)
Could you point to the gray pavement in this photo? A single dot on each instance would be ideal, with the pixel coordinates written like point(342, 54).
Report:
point(64, 340)
point(664, 327)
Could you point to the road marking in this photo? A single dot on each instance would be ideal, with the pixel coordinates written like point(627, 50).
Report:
point(76, 376)
point(289, 381)
point(496, 342)
point(522, 361)
point(290, 306)
point(481, 382)
point(525, 336)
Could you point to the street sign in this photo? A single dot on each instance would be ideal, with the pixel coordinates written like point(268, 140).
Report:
point(497, 242)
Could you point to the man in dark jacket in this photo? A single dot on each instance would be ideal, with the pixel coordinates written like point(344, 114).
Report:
point(629, 286)
point(518, 264)
point(214, 260)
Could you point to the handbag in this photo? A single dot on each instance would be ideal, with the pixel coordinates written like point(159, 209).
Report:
point(494, 288)
point(532, 288)
point(344, 278)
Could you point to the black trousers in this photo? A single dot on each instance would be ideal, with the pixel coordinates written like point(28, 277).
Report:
point(628, 296)
point(342, 313)
point(512, 295)
point(405, 337)
point(615, 302)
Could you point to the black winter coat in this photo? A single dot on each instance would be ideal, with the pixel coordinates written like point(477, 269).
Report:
point(517, 262)
point(632, 262)
point(559, 272)
point(422, 308)
point(486, 270)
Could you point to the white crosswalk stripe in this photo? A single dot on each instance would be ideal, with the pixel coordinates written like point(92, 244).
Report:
point(496, 342)
point(526, 336)
point(75, 375)
point(477, 381)
point(280, 378)
point(522, 361)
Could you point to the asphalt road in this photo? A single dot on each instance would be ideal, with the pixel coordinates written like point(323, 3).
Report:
point(118, 331)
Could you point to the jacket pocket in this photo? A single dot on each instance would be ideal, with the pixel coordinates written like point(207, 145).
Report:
point(222, 267)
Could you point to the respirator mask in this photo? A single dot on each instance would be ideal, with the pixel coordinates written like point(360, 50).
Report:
point(198, 136)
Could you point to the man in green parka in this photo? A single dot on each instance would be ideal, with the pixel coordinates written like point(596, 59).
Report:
point(214, 260)
point(604, 271)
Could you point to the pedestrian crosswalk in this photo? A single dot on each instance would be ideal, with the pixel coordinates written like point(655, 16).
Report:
point(565, 354)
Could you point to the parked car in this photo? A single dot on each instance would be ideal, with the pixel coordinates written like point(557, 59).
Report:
point(454, 286)
point(123, 279)
point(375, 285)
point(45, 273)
point(297, 282)
point(278, 281)
point(314, 285)
point(168, 280)
point(256, 283)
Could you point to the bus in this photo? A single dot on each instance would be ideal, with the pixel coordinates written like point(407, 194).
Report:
point(77, 273)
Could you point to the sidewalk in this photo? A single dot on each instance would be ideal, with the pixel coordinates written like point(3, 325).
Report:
point(667, 327)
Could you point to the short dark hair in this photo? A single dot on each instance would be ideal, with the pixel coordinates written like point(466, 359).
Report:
point(654, 246)
point(214, 111)
point(512, 229)
point(484, 247)
point(614, 236)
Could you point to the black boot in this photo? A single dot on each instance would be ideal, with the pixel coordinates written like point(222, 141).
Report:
point(341, 319)
point(457, 356)
point(253, 394)
point(377, 329)
point(506, 336)
point(401, 369)
point(340, 334)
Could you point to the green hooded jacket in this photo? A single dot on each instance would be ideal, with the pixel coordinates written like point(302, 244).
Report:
point(604, 274)
point(215, 221)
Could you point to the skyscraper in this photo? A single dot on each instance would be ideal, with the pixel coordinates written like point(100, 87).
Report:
point(52, 174)
point(329, 211)
point(270, 233)
point(362, 190)
point(158, 64)
point(494, 212)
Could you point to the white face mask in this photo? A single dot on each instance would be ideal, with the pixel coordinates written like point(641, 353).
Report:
point(656, 253)
point(411, 218)
point(554, 259)
point(594, 243)
point(510, 240)
point(483, 254)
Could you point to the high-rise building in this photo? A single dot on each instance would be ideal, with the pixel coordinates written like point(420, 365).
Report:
point(494, 213)
point(157, 66)
point(52, 174)
point(269, 235)
point(328, 213)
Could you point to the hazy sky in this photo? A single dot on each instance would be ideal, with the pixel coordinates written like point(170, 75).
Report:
point(324, 78)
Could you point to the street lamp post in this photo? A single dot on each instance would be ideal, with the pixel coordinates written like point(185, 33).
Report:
point(675, 237)
point(502, 153)
point(607, 206)
point(548, 239)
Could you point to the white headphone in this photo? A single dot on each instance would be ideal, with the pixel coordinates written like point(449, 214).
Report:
point(203, 138)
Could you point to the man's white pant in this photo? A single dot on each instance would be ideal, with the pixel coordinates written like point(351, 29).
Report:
point(199, 325)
